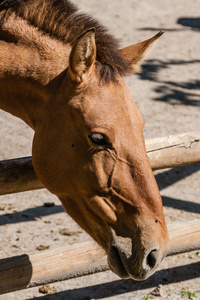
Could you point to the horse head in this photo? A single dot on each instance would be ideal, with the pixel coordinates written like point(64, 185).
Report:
point(89, 150)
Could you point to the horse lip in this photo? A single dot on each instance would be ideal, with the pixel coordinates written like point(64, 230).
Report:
point(116, 264)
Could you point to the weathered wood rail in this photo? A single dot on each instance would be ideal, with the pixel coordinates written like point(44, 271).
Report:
point(174, 150)
point(18, 175)
point(27, 271)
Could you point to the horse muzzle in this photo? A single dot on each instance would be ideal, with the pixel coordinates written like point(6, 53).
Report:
point(127, 262)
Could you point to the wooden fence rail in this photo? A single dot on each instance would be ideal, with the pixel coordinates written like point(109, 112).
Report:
point(27, 271)
point(18, 175)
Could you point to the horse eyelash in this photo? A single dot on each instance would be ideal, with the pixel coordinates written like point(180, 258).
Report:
point(92, 149)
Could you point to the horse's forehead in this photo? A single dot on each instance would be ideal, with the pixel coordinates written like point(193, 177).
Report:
point(109, 103)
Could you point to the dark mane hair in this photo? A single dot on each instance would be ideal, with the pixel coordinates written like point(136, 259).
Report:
point(61, 19)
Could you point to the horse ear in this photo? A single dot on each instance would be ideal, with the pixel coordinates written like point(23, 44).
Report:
point(82, 56)
point(135, 53)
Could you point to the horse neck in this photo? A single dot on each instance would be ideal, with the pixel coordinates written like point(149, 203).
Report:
point(27, 68)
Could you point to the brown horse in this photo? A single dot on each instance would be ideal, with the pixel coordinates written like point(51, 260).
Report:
point(61, 72)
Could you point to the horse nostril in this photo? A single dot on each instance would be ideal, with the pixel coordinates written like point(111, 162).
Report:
point(152, 258)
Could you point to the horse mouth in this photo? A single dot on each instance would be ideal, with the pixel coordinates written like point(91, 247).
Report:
point(116, 264)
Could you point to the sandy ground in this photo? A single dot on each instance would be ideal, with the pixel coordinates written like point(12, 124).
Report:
point(167, 92)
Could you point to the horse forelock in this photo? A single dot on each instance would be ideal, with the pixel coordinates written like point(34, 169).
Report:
point(61, 20)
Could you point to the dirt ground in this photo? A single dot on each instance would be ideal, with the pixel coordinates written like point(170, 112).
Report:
point(168, 94)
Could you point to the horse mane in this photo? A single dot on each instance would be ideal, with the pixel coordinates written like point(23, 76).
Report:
point(61, 19)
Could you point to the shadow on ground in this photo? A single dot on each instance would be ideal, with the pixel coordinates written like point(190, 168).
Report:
point(183, 205)
point(174, 92)
point(170, 177)
point(192, 23)
point(30, 214)
point(185, 93)
point(187, 23)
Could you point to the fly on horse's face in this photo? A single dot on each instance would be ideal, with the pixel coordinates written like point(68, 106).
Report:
point(94, 160)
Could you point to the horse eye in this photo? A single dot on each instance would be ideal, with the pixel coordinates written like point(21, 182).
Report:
point(98, 139)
